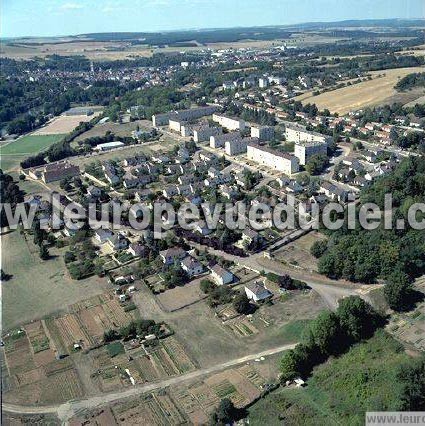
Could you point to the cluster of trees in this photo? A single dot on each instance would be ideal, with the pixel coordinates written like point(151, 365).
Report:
point(366, 255)
point(27, 104)
point(286, 282)
point(9, 194)
point(261, 117)
point(410, 81)
point(331, 334)
point(141, 327)
point(316, 164)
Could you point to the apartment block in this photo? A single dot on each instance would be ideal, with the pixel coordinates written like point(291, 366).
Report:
point(229, 122)
point(238, 146)
point(219, 141)
point(263, 133)
point(273, 159)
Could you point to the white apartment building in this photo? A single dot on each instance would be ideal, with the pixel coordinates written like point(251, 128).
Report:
point(238, 146)
point(296, 133)
point(305, 150)
point(219, 141)
point(204, 133)
point(229, 122)
point(263, 133)
point(183, 115)
point(263, 82)
point(273, 159)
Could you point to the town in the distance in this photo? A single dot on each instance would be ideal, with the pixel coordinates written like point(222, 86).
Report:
point(223, 325)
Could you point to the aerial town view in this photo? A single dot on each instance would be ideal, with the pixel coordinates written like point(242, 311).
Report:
point(212, 212)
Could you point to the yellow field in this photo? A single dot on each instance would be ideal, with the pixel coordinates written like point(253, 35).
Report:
point(64, 124)
point(361, 95)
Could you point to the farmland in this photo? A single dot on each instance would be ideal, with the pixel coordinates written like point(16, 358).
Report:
point(164, 358)
point(86, 322)
point(37, 377)
point(38, 288)
point(368, 93)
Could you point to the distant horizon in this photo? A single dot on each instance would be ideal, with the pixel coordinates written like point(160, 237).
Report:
point(70, 18)
point(198, 29)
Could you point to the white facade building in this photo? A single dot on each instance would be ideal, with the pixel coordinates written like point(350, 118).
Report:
point(228, 122)
point(274, 159)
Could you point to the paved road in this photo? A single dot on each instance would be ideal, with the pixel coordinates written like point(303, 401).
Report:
point(69, 409)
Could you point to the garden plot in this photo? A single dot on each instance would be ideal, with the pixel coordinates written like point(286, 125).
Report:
point(164, 359)
point(152, 409)
point(241, 326)
point(53, 381)
point(87, 321)
point(231, 384)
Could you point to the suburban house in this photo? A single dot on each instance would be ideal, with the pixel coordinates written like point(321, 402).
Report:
point(220, 275)
point(138, 250)
point(257, 291)
point(117, 242)
point(102, 235)
point(191, 266)
point(172, 255)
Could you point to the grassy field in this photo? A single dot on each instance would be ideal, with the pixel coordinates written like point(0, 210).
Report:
point(369, 93)
point(37, 287)
point(341, 390)
point(30, 144)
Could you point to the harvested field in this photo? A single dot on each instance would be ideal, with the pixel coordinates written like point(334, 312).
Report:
point(369, 93)
point(64, 124)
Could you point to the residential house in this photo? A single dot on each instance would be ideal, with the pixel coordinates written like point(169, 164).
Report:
point(220, 275)
point(191, 266)
point(257, 291)
point(172, 255)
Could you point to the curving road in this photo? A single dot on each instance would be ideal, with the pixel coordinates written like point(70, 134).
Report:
point(69, 409)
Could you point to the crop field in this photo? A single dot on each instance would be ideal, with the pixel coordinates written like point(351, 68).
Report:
point(368, 93)
point(38, 288)
point(87, 322)
point(38, 377)
point(64, 124)
point(167, 358)
point(242, 385)
point(30, 144)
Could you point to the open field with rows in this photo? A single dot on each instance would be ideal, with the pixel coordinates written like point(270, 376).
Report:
point(164, 359)
point(87, 321)
point(38, 377)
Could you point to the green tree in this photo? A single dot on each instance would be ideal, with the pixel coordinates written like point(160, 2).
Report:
point(44, 252)
point(397, 290)
point(241, 304)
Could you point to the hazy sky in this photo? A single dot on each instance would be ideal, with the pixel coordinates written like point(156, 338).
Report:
point(66, 17)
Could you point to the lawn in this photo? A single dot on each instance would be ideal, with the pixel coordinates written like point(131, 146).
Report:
point(38, 288)
point(341, 390)
point(30, 144)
